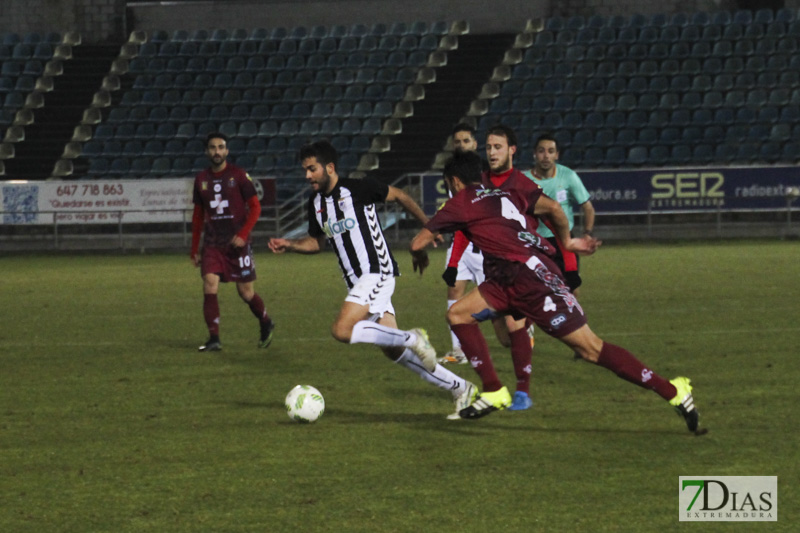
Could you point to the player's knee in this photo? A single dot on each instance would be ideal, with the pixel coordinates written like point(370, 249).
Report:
point(452, 317)
point(341, 332)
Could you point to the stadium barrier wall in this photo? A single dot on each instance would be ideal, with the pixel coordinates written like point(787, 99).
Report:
point(630, 205)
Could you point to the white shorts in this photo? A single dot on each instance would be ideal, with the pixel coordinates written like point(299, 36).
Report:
point(374, 291)
point(470, 268)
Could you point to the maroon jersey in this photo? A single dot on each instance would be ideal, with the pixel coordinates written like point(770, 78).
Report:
point(499, 222)
point(223, 197)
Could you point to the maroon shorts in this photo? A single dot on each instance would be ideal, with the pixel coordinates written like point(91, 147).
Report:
point(230, 264)
point(538, 293)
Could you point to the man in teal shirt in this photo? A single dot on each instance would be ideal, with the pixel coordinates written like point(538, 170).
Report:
point(564, 186)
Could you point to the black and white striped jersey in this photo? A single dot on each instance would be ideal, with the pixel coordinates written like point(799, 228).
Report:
point(347, 216)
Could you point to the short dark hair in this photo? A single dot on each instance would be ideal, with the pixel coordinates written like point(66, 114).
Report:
point(322, 150)
point(501, 130)
point(463, 126)
point(545, 137)
point(216, 135)
point(465, 165)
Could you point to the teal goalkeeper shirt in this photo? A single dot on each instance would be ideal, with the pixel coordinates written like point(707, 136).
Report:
point(566, 188)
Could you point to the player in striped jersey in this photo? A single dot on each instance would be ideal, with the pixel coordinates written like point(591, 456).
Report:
point(342, 210)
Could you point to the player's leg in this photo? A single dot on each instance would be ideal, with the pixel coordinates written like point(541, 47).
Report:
point(456, 355)
point(463, 392)
point(367, 301)
point(248, 294)
point(242, 268)
point(463, 318)
point(624, 364)
point(211, 312)
point(521, 356)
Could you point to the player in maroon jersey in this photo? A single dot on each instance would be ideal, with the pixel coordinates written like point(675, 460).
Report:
point(226, 209)
point(501, 146)
point(522, 280)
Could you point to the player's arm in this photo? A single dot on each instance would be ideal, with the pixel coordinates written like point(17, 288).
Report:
point(197, 230)
point(253, 212)
point(408, 204)
point(411, 207)
point(588, 217)
point(460, 244)
point(551, 210)
point(419, 257)
point(304, 245)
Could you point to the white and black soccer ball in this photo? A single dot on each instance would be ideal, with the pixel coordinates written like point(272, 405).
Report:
point(304, 403)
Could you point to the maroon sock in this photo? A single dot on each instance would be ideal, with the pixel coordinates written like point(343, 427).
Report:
point(258, 309)
point(477, 351)
point(521, 352)
point(211, 313)
point(621, 362)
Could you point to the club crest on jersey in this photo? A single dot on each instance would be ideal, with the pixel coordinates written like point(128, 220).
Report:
point(231, 182)
point(204, 186)
point(338, 227)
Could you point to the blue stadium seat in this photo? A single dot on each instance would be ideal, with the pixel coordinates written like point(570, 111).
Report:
point(119, 166)
point(725, 152)
point(703, 153)
point(647, 136)
point(98, 166)
point(268, 129)
point(330, 126)
point(637, 155)
point(747, 152)
point(615, 156)
point(114, 148)
point(264, 163)
point(604, 138)
point(626, 137)
point(790, 152)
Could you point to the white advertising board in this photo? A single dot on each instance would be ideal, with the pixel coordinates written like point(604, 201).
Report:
point(96, 202)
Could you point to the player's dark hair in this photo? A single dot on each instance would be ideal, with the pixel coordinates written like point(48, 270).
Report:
point(463, 126)
point(216, 135)
point(323, 151)
point(501, 130)
point(545, 137)
point(466, 166)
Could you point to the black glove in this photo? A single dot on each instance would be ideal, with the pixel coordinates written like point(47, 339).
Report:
point(449, 276)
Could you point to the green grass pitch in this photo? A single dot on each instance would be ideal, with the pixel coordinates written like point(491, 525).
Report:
point(111, 421)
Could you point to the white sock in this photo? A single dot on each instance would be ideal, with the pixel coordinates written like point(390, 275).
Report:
point(440, 377)
point(372, 333)
point(456, 343)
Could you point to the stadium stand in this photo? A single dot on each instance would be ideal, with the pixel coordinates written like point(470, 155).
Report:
point(665, 89)
point(683, 71)
point(268, 90)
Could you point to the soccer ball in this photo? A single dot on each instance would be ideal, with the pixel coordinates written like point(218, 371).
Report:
point(304, 403)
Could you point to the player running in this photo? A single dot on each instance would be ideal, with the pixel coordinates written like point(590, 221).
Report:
point(342, 211)
point(522, 280)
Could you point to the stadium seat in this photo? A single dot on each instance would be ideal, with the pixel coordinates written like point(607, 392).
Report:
point(703, 153)
point(681, 155)
point(114, 148)
point(747, 152)
point(268, 129)
point(637, 155)
point(790, 152)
